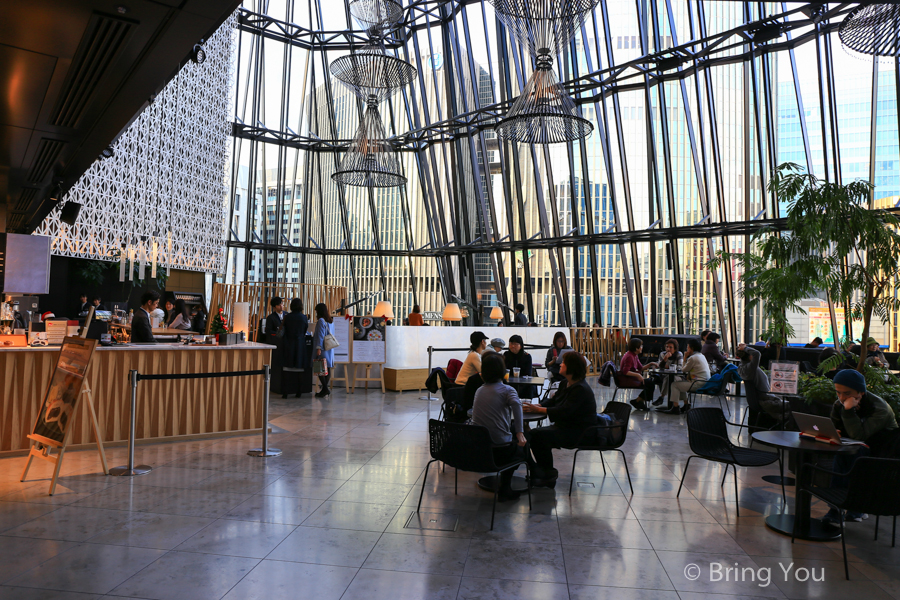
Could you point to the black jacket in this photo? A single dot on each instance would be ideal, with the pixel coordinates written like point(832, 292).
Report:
point(140, 327)
point(273, 323)
point(522, 360)
point(295, 327)
point(572, 407)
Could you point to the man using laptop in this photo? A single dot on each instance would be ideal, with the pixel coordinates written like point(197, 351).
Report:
point(859, 415)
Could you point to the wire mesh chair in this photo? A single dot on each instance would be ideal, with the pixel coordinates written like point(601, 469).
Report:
point(467, 448)
point(874, 488)
point(719, 393)
point(708, 438)
point(619, 411)
point(624, 383)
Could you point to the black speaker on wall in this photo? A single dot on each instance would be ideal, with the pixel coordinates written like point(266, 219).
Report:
point(69, 212)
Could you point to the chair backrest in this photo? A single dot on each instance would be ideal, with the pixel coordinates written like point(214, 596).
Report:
point(624, 381)
point(874, 486)
point(707, 420)
point(461, 446)
point(620, 411)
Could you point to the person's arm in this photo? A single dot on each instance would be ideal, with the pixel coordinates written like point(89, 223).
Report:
point(527, 366)
point(320, 336)
point(515, 405)
point(574, 399)
point(550, 359)
point(754, 358)
point(861, 430)
point(679, 360)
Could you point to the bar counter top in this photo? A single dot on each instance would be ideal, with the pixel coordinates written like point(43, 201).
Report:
point(167, 409)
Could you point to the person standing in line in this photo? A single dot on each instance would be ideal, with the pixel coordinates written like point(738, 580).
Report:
point(324, 326)
point(295, 327)
point(520, 319)
point(274, 321)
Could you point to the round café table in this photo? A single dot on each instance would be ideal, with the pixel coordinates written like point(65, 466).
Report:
point(807, 528)
point(490, 482)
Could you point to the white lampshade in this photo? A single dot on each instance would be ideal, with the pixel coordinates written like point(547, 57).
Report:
point(240, 318)
point(451, 312)
point(383, 309)
point(496, 313)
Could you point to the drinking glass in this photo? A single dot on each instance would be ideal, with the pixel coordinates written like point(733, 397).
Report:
point(516, 371)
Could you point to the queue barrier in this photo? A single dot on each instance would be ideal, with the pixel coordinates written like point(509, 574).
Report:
point(132, 470)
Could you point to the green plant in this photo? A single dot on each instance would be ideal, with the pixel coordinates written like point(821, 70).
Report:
point(91, 272)
point(816, 388)
point(220, 323)
point(879, 381)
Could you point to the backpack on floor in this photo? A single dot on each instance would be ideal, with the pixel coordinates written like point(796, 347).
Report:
point(612, 436)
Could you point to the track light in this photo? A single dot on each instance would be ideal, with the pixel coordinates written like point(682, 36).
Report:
point(767, 33)
point(669, 63)
point(107, 152)
point(198, 53)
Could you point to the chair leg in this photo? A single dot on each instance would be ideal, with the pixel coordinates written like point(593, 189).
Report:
point(456, 481)
point(615, 391)
point(496, 493)
point(572, 480)
point(781, 471)
point(528, 487)
point(724, 475)
point(603, 464)
point(626, 470)
point(844, 547)
point(877, 518)
point(683, 474)
point(737, 500)
point(893, 532)
point(424, 479)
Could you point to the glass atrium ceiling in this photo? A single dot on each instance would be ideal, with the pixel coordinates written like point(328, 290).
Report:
point(692, 103)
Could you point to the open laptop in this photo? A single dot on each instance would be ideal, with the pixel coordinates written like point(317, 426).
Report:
point(822, 429)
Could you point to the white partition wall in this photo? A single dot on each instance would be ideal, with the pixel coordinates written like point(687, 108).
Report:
point(407, 347)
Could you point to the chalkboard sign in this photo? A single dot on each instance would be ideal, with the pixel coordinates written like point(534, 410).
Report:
point(57, 412)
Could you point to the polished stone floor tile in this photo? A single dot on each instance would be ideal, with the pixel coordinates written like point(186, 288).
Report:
point(515, 560)
point(352, 515)
point(272, 580)
point(690, 537)
point(274, 509)
point(709, 573)
point(397, 585)
point(472, 588)
point(602, 533)
point(187, 576)
point(127, 497)
point(199, 503)
point(89, 568)
point(20, 593)
point(20, 555)
point(13, 514)
point(148, 530)
point(615, 567)
point(592, 592)
point(372, 492)
point(237, 538)
point(303, 487)
point(795, 578)
point(517, 527)
point(419, 554)
point(75, 524)
point(338, 547)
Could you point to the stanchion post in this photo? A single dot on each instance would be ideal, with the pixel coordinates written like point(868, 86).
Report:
point(265, 451)
point(428, 397)
point(131, 470)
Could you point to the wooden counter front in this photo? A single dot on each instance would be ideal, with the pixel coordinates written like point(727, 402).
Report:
point(166, 408)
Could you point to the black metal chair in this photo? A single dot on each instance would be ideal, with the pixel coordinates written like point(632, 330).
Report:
point(466, 448)
point(619, 411)
point(452, 396)
point(720, 392)
point(874, 488)
point(708, 438)
point(624, 383)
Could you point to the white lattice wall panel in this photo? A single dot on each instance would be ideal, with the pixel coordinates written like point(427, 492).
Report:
point(166, 179)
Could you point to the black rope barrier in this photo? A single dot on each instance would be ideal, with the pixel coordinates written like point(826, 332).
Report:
point(202, 375)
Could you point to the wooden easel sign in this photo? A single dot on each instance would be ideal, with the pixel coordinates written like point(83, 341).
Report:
point(56, 419)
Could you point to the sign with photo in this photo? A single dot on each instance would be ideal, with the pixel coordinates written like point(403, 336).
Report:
point(368, 340)
point(785, 376)
point(61, 399)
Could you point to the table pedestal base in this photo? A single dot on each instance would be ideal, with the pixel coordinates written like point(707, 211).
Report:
point(776, 480)
point(489, 483)
point(816, 532)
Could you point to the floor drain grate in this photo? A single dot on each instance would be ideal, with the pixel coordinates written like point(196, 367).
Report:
point(584, 484)
point(435, 522)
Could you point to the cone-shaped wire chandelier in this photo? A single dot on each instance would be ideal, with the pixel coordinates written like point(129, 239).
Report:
point(373, 75)
point(872, 29)
point(544, 113)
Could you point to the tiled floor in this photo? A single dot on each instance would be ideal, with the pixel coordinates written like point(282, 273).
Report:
point(327, 520)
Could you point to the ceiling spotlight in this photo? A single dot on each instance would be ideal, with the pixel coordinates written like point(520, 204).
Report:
point(107, 153)
point(198, 53)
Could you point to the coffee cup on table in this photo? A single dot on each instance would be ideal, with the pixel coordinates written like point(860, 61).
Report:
point(516, 371)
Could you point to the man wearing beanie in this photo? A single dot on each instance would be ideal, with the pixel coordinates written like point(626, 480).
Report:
point(860, 415)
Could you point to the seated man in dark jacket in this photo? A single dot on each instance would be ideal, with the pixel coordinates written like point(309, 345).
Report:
point(517, 358)
point(572, 410)
point(711, 351)
point(140, 325)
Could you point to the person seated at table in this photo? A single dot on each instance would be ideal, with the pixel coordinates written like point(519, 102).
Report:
point(571, 410)
point(198, 318)
point(671, 358)
point(516, 357)
point(860, 415)
point(554, 356)
point(757, 384)
point(275, 320)
point(631, 373)
point(494, 403)
point(817, 341)
point(141, 332)
point(415, 317)
point(711, 351)
point(696, 368)
point(169, 308)
point(181, 317)
point(703, 335)
point(826, 354)
point(470, 373)
point(497, 345)
point(874, 356)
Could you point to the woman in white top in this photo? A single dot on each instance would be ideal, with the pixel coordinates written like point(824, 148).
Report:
point(472, 365)
point(181, 317)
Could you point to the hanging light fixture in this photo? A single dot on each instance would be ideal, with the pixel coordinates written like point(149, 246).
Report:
point(372, 75)
point(543, 113)
point(872, 29)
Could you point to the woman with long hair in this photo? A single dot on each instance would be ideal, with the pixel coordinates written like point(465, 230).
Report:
point(181, 316)
point(555, 354)
point(415, 317)
point(324, 326)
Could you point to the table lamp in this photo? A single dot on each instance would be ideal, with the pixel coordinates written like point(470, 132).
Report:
point(452, 312)
point(497, 313)
point(383, 309)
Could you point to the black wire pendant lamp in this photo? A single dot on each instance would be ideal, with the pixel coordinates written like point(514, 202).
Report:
point(872, 29)
point(372, 75)
point(543, 113)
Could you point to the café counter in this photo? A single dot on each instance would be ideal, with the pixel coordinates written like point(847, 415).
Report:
point(167, 409)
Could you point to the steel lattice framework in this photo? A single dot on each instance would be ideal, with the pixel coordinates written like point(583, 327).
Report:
point(165, 180)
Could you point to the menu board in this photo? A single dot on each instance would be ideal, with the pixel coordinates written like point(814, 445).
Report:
point(785, 375)
point(56, 330)
point(58, 409)
point(342, 333)
point(368, 340)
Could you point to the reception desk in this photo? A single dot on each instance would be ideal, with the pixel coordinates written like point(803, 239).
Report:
point(166, 408)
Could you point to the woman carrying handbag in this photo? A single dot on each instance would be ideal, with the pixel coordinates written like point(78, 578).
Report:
point(324, 348)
